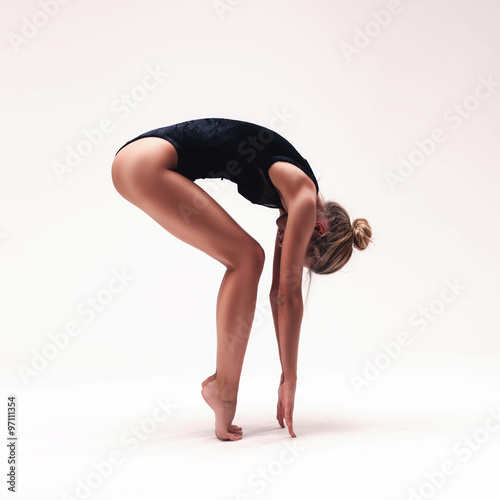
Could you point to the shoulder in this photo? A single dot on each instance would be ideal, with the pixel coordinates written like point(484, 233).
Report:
point(283, 173)
point(291, 182)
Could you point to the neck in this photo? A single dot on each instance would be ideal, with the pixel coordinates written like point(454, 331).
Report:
point(320, 209)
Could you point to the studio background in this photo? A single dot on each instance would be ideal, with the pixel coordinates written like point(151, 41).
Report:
point(356, 87)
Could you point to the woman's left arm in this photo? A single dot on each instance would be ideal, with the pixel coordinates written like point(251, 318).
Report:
point(299, 228)
point(299, 193)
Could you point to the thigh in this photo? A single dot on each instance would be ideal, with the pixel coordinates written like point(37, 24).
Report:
point(144, 173)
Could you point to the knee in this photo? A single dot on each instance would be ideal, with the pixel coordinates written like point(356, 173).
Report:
point(251, 258)
point(257, 258)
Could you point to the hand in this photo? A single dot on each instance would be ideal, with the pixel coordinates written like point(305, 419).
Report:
point(286, 397)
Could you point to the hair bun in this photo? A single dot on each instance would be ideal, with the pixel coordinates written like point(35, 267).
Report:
point(362, 233)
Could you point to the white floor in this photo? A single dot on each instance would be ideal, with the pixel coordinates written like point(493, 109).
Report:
point(379, 445)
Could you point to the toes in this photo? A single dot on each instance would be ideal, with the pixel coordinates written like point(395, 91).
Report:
point(236, 429)
point(234, 433)
point(228, 436)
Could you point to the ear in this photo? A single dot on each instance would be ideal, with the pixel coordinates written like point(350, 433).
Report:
point(320, 228)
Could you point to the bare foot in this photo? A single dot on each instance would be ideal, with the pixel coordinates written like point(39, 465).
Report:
point(224, 411)
point(232, 428)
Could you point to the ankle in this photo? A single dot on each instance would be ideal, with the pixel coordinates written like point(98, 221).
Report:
point(227, 392)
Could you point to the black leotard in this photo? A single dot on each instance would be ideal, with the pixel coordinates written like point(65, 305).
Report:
point(236, 150)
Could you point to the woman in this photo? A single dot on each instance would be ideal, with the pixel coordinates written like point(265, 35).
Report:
point(155, 171)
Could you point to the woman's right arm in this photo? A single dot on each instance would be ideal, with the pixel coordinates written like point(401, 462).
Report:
point(275, 288)
point(273, 297)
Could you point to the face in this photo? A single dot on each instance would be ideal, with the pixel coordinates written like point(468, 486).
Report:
point(281, 221)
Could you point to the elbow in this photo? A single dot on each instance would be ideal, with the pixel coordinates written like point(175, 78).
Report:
point(274, 296)
point(288, 297)
point(291, 301)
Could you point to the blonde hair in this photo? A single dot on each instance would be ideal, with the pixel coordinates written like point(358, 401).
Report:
point(330, 252)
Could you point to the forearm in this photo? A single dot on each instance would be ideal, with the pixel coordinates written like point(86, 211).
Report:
point(289, 323)
point(273, 298)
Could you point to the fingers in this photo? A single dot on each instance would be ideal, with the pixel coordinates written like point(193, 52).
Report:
point(289, 419)
point(284, 413)
point(289, 424)
point(279, 414)
point(285, 417)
